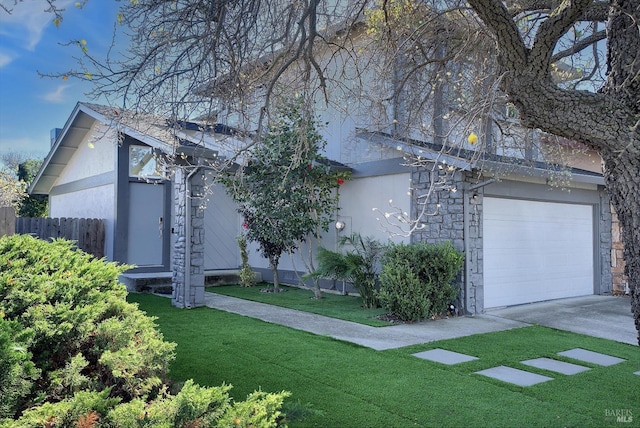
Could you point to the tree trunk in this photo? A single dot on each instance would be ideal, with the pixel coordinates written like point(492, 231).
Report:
point(622, 176)
point(273, 263)
point(317, 292)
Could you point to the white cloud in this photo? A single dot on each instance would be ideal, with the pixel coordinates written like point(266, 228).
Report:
point(27, 21)
point(57, 95)
point(5, 59)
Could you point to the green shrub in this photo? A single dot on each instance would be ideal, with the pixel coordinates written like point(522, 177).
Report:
point(259, 410)
point(74, 411)
point(358, 266)
point(193, 406)
point(401, 293)
point(434, 267)
point(74, 352)
point(83, 333)
point(17, 372)
point(196, 406)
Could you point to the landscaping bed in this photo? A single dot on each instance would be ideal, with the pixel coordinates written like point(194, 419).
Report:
point(348, 308)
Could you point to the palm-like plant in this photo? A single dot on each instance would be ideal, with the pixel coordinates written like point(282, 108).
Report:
point(360, 266)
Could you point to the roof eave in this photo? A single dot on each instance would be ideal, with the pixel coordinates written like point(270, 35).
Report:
point(43, 181)
point(576, 176)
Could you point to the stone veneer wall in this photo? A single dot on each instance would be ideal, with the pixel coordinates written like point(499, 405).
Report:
point(179, 243)
point(194, 295)
point(619, 279)
point(447, 225)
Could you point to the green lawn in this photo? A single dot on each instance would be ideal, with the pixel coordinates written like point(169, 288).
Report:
point(348, 308)
point(358, 387)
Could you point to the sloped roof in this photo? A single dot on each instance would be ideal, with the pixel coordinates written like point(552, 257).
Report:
point(468, 160)
point(152, 130)
point(63, 148)
point(417, 148)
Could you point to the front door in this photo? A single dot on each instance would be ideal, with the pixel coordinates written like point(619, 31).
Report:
point(146, 224)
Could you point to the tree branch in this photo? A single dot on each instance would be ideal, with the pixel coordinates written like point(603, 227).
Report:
point(497, 18)
point(597, 11)
point(580, 45)
point(554, 27)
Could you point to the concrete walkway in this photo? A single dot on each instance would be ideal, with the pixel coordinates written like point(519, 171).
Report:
point(608, 317)
point(607, 314)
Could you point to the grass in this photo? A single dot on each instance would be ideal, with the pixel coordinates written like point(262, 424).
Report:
point(348, 308)
point(353, 386)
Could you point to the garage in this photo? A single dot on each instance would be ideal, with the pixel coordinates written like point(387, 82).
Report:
point(535, 251)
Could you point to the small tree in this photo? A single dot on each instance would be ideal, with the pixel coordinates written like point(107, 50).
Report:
point(15, 177)
point(247, 277)
point(286, 191)
point(31, 205)
point(11, 190)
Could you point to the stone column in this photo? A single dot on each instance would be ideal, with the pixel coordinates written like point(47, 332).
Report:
point(474, 269)
point(188, 251)
point(604, 244)
point(196, 292)
point(179, 229)
point(448, 224)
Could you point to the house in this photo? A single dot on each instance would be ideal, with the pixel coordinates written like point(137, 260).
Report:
point(524, 240)
point(530, 231)
point(108, 164)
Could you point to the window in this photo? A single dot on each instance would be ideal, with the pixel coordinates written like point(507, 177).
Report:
point(142, 162)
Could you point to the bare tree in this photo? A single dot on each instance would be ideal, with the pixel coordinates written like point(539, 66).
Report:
point(607, 120)
point(571, 69)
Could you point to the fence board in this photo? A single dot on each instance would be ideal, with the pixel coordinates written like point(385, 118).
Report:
point(88, 233)
point(7, 221)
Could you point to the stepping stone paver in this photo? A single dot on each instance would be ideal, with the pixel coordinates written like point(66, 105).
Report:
point(638, 373)
point(515, 376)
point(445, 357)
point(591, 357)
point(555, 366)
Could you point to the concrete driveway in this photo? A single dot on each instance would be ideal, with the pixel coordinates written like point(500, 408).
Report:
point(608, 317)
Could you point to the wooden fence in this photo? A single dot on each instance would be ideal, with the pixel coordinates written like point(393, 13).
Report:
point(7, 221)
point(87, 232)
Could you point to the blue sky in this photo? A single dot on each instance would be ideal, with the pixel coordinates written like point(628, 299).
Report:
point(31, 106)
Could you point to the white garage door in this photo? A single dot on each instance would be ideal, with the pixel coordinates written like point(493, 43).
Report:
point(535, 251)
